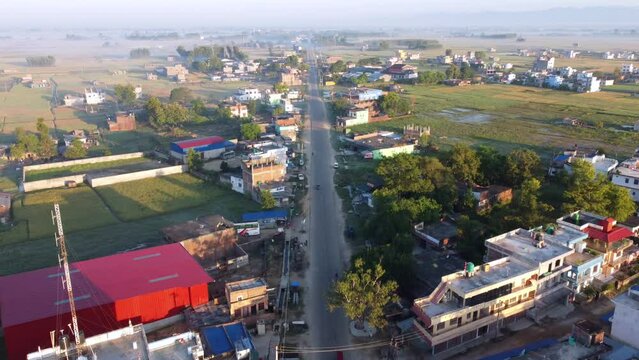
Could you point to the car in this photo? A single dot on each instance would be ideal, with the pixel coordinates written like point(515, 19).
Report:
point(300, 177)
point(301, 162)
point(335, 166)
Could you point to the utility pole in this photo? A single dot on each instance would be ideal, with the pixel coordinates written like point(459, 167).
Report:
point(63, 261)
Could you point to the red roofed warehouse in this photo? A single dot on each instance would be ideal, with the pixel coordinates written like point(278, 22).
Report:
point(208, 147)
point(141, 286)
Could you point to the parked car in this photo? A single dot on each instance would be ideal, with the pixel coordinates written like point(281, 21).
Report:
point(300, 177)
point(335, 166)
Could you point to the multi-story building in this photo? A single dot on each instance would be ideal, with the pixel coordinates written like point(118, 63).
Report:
point(93, 96)
point(626, 317)
point(246, 297)
point(238, 110)
point(522, 277)
point(604, 239)
point(627, 69)
point(627, 175)
point(290, 77)
point(261, 170)
point(586, 82)
point(248, 94)
point(544, 63)
point(553, 81)
point(356, 116)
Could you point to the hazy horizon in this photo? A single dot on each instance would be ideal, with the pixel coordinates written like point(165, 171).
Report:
point(66, 14)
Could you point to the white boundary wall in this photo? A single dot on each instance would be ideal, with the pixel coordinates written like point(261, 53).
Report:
point(139, 175)
point(51, 183)
point(93, 160)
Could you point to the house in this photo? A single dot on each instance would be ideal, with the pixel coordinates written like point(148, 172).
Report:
point(604, 238)
point(237, 110)
point(586, 82)
point(588, 333)
point(246, 297)
point(123, 122)
point(627, 69)
point(273, 99)
point(261, 170)
point(286, 105)
point(379, 145)
point(93, 96)
point(412, 131)
point(269, 150)
point(77, 134)
point(72, 100)
point(440, 235)
point(151, 76)
point(172, 72)
point(543, 64)
point(5, 207)
point(364, 94)
point(608, 55)
point(626, 317)
point(522, 277)
point(293, 94)
point(488, 196)
point(247, 94)
point(401, 71)
point(138, 91)
point(228, 341)
point(332, 59)
point(281, 193)
point(208, 147)
point(286, 126)
point(627, 175)
point(600, 162)
point(290, 77)
point(553, 81)
point(356, 116)
point(237, 183)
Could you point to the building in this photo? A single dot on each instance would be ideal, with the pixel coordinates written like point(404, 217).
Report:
point(439, 235)
point(247, 94)
point(151, 76)
point(628, 69)
point(175, 71)
point(332, 59)
point(238, 110)
point(469, 307)
point(93, 96)
point(269, 150)
point(626, 317)
point(627, 175)
point(586, 82)
point(543, 64)
point(228, 341)
point(273, 99)
point(290, 77)
point(588, 333)
point(141, 286)
point(123, 122)
point(364, 94)
point(77, 134)
point(246, 297)
point(604, 239)
point(379, 145)
point(600, 162)
point(261, 170)
point(489, 196)
point(208, 147)
point(71, 100)
point(267, 219)
point(356, 116)
point(553, 81)
point(5, 207)
point(402, 71)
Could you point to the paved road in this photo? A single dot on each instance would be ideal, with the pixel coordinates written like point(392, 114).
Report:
point(328, 251)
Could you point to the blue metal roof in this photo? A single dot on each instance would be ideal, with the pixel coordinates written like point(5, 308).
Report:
point(221, 145)
point(261, 215)
point(221, 339)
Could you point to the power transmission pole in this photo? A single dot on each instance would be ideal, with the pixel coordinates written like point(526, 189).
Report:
point(64, 263)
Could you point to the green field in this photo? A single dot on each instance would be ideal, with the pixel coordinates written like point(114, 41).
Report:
point(623, 88)
point(81, 209)
point(139, 209)
point(508, 116)
point(125, 164)
point(149, 197)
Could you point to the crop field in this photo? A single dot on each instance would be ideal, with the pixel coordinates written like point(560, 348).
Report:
point(506, 117)
point(129, 219)
point(125, 165)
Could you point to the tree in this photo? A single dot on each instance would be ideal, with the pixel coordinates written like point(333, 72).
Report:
point(252, 107)
point(521, 164)
point(464, 163)
point(453, 72)
point(586, 190)
point(448, 52)
point(491, 165)
point(530, 211)
point(194, 160)
point(76, 150)
point(396, 257)
point(280, 88)
point(466, 72)
point(46, 145)
point(40, 60)
point(181, 95)
point(384, 45)
point(360, 80)
point(250, 131)
point(337, 67)
point(155, 112)
point(182, 51)
point(393, 104)
point(471, 240)
point(402, 176)
point(340, 106)
point(292, 61)
point(431, 77)
point(139, 53)
point(363, 295)
point(268, 201)
point(125, 94)
point(620, 203)
point(198, 107)
point(480, 55)
point(445, 188)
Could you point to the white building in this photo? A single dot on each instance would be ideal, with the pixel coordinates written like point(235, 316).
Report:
point(587, 83)
point(608, 55)
point(626, 317)
point(627, 175)
point(248, 94)
point(628, 68)
point(70, 100)
point(93, 96)
point(355, 116)
point(138, 91)
point(600, 162)
point(287, 105)
point(237, 183)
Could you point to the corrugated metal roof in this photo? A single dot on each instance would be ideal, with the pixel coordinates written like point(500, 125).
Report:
point(221, 339)
point(39, 294)
point(187, 144)
point(260, 215)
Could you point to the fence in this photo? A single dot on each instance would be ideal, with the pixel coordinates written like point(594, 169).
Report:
point(51, 183)
point(139, 175)
point(93, 160)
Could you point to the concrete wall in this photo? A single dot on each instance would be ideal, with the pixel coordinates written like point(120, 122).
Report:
point(93, 160)
point(139, 175)
point(51, 183)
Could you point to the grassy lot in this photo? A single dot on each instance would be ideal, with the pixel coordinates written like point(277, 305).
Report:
point(81, 209)
point(623, 88)
point(83, 168)
point(149, 197)
point(21, 106)
point(91, 229)
point(8, 176)
point(507, 117)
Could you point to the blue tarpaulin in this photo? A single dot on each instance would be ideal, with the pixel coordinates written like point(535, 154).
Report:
point(221, 339)
point(262, 215)
point(512, 353)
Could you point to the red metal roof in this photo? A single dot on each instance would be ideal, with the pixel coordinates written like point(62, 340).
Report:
point(187, 144)
point(39, 294)
point(609, 235)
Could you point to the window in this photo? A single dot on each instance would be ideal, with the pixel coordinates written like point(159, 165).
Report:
point(550, 267)
point(626, 180)
point(512, 300)
point(453, 321)
point(468, 316)
point(558, 262)
point(636, 181)
point(595, 269)
point(441, 325)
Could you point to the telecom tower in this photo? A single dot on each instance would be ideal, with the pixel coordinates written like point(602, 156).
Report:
point(66, 283)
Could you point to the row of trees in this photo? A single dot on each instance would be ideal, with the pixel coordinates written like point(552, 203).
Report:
point(393, 104)
point(465, 72)
point(139, 53)
point(40, 60)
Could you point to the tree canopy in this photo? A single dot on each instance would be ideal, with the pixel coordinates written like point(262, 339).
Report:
point(76, 150)
point(453, 72)
point(464, 163)
point(194, 160)
point(393, 104)
point(250, 131)
point(363, 294)
point(182, 95)
point(40, 60)
point(125, 94)
point(268, 201)
point(521, 164)
point(139, 53)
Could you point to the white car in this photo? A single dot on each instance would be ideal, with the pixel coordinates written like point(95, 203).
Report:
point(300, 177)
point(335, 166)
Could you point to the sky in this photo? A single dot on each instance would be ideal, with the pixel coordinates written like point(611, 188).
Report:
point(246, 13)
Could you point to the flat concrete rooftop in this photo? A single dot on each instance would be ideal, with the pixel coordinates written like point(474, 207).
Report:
point(497, 273)
point(520, 243)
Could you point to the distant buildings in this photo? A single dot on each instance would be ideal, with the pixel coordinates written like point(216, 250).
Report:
point(544, 63)
point(627, 175)
point(628, 69)
point(72, 100)
point(402, 72)
point(290, 77)
point(237, 110)
point(176, 72)
point(355, 116)
point(364, 94)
